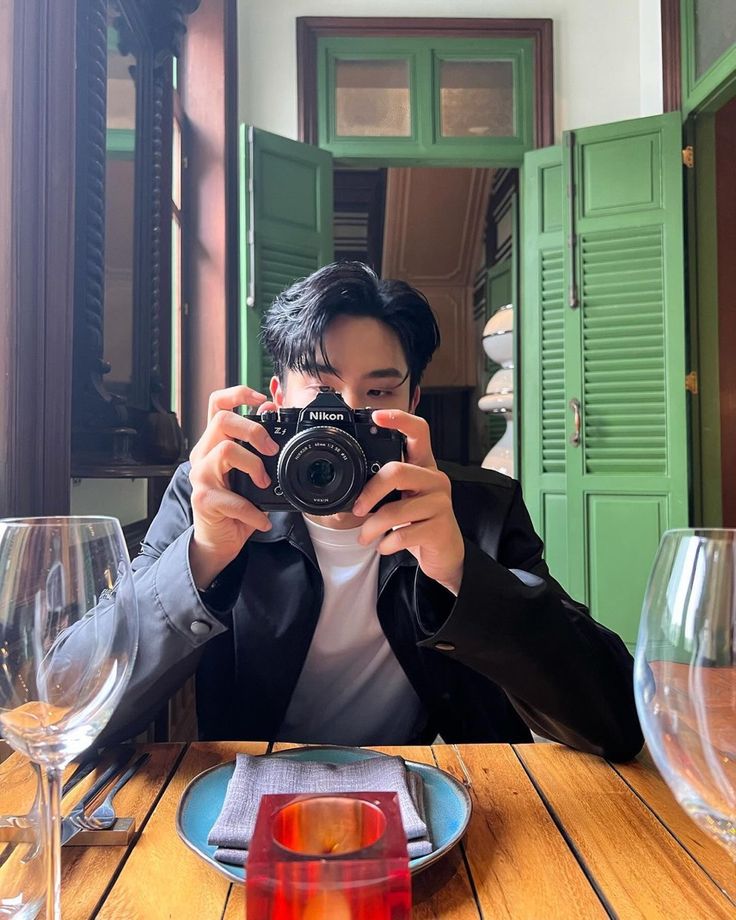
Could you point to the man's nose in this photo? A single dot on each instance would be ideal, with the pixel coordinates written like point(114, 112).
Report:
point(352, 398)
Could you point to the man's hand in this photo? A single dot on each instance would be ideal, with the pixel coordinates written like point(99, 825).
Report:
point(223, 521)
point(424, 518)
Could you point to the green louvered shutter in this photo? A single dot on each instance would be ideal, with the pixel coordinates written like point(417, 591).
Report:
point(286, 231)
point(627, 481)
point(542, 375)
point(602, 321)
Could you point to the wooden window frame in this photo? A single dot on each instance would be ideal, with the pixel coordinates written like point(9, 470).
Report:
point(682, 90)
point(424, 57)
point(310, 29)
point(37, 250)
point(209, 102)
point(671, 55)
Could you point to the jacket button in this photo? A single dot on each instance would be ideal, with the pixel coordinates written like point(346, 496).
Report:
point(199, 627)
point(444, 646)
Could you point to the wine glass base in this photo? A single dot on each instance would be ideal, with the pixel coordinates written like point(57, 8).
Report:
point(722, 829)
point(21, 911)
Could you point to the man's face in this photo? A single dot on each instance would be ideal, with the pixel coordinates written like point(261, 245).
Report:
point(371, 369)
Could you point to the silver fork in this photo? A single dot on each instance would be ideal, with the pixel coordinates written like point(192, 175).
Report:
point(103, 817)
point(85, 767)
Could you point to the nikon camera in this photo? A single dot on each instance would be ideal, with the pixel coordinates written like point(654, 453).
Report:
point(327, 453)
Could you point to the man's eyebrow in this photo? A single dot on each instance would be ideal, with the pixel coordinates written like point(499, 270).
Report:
point(383, 372)
point(380, 373)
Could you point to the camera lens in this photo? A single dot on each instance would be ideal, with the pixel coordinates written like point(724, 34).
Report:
point(322, 470)
point(320, 473)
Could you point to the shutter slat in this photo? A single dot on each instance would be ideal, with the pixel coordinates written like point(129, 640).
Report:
point(553, 362)
point(624, 383)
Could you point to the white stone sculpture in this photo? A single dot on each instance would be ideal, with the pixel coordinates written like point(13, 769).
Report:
point(498, 344)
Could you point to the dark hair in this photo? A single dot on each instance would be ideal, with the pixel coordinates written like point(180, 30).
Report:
point(294, 326)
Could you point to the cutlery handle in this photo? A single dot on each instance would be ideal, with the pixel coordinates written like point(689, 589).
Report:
point(84, 769)
point(132, 769)
point(86, 766)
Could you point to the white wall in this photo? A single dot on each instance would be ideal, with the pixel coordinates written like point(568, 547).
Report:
point(607, 55)
point(650, 57)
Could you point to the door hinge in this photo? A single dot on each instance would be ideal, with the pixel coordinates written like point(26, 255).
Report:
point(688, 157)
point(691, 382)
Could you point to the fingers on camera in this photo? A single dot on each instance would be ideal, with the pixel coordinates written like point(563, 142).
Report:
point(223, 503)
point(231, 398)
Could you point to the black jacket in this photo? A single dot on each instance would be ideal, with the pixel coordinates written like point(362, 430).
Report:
point(510, 653)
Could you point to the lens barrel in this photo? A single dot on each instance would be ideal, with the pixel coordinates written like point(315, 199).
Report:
point(322, 470)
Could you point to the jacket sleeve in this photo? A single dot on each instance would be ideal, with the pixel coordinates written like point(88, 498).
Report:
point(569, 677)
point(174, 621)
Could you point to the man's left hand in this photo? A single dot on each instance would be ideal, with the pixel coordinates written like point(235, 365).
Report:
point(422, 521)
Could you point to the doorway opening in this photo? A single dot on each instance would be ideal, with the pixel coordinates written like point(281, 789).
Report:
point(451, 233)
point(713, 270)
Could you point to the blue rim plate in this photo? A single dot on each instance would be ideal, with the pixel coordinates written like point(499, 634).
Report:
point(447, 802)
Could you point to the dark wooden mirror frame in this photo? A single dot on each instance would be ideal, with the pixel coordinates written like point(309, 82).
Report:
point(110, 432)
point(671, 58)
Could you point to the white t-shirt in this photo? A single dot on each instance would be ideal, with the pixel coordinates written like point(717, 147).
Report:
point(352, 689)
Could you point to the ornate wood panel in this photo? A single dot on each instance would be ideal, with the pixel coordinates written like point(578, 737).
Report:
point(434, 226)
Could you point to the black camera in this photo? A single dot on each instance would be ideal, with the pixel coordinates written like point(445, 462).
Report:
point(327, 453)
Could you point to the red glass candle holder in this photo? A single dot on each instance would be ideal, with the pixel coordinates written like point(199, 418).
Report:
point(338, 856)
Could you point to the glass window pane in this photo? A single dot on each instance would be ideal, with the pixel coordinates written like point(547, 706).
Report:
point(176, 319)
point(176, 166)
point(120, 187)
point(372, 99)
point(715, 32)
point(477, 98)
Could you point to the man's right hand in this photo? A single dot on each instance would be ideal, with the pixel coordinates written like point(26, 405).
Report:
point(223, 521)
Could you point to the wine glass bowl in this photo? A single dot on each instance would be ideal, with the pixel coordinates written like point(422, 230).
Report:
point(685, 675)
point(68, 639)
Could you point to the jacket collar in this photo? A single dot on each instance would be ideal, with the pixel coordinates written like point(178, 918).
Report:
point(289, 526)
point(282, 525)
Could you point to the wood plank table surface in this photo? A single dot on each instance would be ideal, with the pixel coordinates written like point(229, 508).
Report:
point(554, 834)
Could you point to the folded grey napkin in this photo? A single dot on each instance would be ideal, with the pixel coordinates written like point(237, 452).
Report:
point(256, 776)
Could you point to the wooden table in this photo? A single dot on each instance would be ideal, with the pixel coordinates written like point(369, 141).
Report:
point(554, 834)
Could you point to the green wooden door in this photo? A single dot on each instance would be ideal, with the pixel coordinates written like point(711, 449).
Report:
point(285, 230)
point(541, 317)
point(624, 480)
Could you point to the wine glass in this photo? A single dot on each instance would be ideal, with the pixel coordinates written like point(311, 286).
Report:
point(685, 675)
point(22, 863)
point(68, 638)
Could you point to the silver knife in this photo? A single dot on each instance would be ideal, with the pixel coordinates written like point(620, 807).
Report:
point(89, 763)
point(70, 825)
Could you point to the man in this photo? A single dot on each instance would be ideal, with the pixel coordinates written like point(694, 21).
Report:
point(434, 614)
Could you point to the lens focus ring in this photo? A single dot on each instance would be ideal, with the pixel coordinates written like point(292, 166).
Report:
point(322, 470)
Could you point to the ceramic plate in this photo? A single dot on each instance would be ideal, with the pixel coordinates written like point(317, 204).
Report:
point(447, 802)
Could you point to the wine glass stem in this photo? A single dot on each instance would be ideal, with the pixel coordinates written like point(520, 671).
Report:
point(51, 784)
